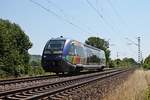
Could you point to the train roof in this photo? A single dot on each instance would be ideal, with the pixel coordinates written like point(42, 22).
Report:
point(62, 38)
point(93, 47)
point(59, 38)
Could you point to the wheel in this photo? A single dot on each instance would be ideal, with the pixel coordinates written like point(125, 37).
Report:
point(57, 73)
point(100, 69)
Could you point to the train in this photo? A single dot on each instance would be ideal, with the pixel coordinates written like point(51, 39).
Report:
point(62, 55)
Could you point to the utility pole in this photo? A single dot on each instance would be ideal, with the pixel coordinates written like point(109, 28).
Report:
point(117, 55)
point(139, 50)
point(138, 44)
point(117, 59)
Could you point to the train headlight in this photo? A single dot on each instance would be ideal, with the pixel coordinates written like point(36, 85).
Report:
point(57, 52)
point(47, 52)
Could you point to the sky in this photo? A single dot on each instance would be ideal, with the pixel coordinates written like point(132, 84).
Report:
point(112, 20)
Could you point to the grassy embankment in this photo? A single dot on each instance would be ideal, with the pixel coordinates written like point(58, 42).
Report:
point(137, 87)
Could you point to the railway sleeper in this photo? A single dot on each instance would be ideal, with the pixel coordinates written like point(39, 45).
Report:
point(54, 97)
point(31, 92)
point(10, 97)
point(20, 96)
point(26, 94)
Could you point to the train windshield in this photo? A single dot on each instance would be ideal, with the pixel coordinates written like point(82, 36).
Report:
point(55, 44)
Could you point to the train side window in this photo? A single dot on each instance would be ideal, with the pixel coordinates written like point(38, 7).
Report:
point(89, 53)
point(79, 51)
point(72, 50)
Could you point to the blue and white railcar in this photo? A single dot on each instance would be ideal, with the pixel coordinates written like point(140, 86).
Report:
point(62, 55)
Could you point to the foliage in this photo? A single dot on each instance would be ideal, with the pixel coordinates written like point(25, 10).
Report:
point(38, 70)
point(125, 62)
point(3, 74)
point(35, 60)
point(147, 62)
point(35, 65)
point(98, 43)
point(111, 64)
point(101, 44)
point(14, 46)
point(107, 55)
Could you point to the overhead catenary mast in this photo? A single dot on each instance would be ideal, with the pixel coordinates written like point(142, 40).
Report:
point(139, 50)
point(138, 44)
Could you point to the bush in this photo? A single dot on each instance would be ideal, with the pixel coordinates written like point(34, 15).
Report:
point(147, 63)
point(146, 66)
point(3, 74)
point(111, 64)
point(38, 70)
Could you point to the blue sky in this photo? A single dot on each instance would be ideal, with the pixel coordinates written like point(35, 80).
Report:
point(120, 19)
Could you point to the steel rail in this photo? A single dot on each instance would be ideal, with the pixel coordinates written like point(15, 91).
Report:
point(18, 80)
point(40, 91)
point(81, 84)
point(25, 79)
point(12, 84)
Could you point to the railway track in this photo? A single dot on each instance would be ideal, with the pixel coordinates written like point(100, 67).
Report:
point(11, 84)
point(22, 82)
point(58, 89)
point(10, 81)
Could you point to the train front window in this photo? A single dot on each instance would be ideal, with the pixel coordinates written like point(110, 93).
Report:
point(55, 44)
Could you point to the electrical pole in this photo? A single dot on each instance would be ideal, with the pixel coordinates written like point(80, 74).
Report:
point(117, 55)
point(117, 59)
point(139, 50)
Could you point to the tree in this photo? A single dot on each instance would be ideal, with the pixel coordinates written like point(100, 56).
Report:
point(129, 62)
point(147, 62)
point(98, 43)
point(125, 62)
point(35, 63)
point(35, 60)
point(101, 44)
point(107, 55)
point(14, 46)
point(38, 70)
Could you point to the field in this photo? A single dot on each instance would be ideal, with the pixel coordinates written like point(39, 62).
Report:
point(135, 88)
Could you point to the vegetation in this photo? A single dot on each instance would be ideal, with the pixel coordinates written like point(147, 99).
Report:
point(35, 60)
point(101, 44)
point(125, 62)
point(147, 63)
point(14, 46)
point(133, 88)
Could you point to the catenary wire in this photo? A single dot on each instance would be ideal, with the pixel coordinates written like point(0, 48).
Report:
point(59, 17)
point(68, 16)
point(100, 15)
point(116, 12)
